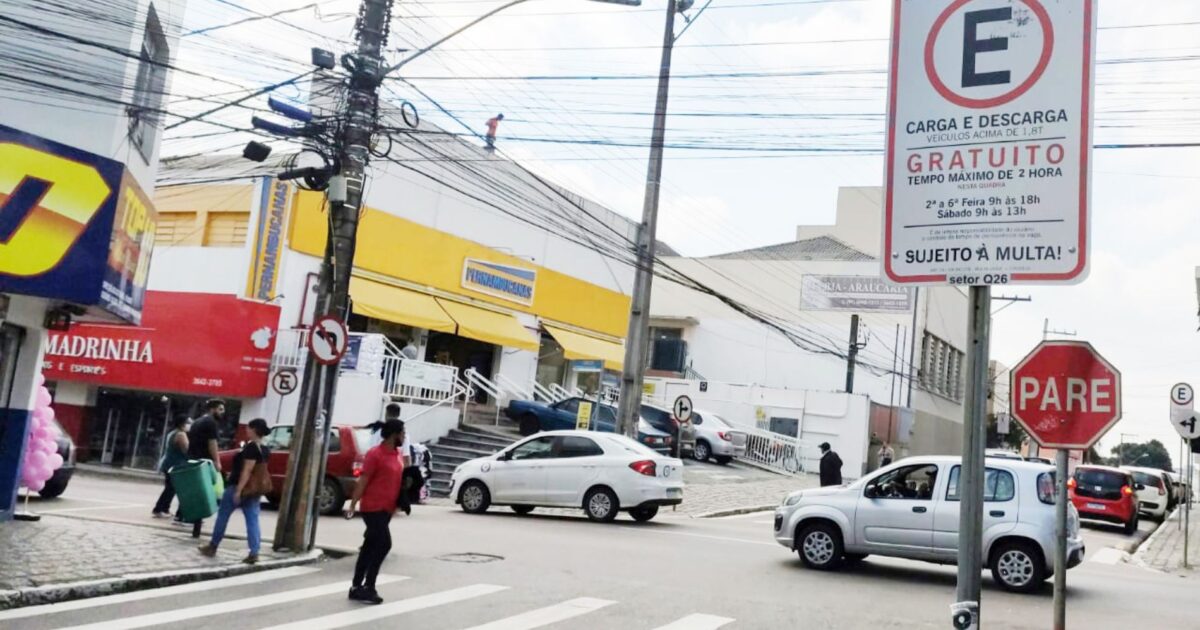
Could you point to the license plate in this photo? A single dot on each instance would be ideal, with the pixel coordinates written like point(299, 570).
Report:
point(674, 492)
point(1095, 506)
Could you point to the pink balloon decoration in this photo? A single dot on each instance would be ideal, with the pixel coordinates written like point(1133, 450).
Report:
point(48, 414)
point(41, 379)
point(36, 486)
point(43, 397)
point(56, 461)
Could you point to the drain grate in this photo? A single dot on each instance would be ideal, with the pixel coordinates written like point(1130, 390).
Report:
point(470, 558)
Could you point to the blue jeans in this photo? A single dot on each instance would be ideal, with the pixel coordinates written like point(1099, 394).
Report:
point(250, 507)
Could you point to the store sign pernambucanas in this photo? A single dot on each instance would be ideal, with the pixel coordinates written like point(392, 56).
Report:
point(273, 207)
point(74, 226)
point(854, 293)
point(515, 284)
point(989, 142)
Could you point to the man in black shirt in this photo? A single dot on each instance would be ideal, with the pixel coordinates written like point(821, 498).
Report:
point(202, 437)
point(831, 466)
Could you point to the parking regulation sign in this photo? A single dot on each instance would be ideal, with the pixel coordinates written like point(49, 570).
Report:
point(989, 141)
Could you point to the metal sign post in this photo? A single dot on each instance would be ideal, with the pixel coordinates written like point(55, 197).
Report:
point(1060, 539)
point(683, 412)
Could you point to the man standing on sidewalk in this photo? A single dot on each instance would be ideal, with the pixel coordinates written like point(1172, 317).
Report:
point(202, 437)
point(378, 489)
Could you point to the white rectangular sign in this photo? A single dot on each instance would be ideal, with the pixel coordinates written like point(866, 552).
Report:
point(989, 141)
point(854, 293)
point(439, 378)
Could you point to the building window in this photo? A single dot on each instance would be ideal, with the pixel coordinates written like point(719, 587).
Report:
point(668, 350)
point(149, 91)
point(174, 228)
point(941, 368)
point(226, 229)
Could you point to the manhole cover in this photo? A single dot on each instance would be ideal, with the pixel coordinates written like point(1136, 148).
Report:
point(470, 558)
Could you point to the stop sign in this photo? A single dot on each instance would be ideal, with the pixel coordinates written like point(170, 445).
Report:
point(1065, 394)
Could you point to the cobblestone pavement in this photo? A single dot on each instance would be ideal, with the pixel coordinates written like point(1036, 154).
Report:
point(1164, 550)
point(712, 488)
point(59, 550)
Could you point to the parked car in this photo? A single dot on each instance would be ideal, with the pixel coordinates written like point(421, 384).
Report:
point(1104, 493)
point(998, 453)
point(664, 420)
point(602, 473)
point(1176, 491)
point(347, 449)
point(716, 439)
point(1153, 491)
point(910, 508)
point(655, 430)
point(57, 484)
point(1039, 460)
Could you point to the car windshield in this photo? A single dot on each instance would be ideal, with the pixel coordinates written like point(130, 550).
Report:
point(1147, 479)
point(1109, 479)
point(362, 439)
point(716, 421)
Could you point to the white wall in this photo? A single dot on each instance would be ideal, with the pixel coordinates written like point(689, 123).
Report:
point(859, 221)
point(199, 270)
point(94, 125)
point(843, 420)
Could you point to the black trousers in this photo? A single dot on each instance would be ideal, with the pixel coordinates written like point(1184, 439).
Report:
point(377, 542)
point(163, 506)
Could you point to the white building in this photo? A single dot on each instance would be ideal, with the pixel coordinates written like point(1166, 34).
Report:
point(79, 136)
point(807, 290)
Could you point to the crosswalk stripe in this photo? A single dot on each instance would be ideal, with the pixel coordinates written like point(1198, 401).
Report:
point(225, 607)
point(180, 589)
point(697, 622)
point(363, 615)
point(548, 615)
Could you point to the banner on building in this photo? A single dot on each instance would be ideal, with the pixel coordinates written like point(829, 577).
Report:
point(854, 293)
point(74, 226)
point(439, 378)
point(274, 204)
point(190, 343)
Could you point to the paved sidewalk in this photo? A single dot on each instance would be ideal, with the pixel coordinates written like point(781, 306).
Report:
point(60, 558)
point(1164, 549)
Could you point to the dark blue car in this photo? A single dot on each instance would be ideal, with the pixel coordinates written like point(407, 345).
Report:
point(532, 417)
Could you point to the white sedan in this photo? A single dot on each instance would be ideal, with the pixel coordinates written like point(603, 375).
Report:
point(603, 473)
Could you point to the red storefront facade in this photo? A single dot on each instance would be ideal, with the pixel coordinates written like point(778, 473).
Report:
point(118, 386)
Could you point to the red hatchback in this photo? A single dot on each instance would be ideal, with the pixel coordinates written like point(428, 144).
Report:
point(347, 448)
point(1106, 494)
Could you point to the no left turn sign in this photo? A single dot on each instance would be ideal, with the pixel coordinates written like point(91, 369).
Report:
point(328, 340)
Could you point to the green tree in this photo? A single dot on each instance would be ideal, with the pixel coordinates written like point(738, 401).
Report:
point(1150, 454)
point(1012, 442)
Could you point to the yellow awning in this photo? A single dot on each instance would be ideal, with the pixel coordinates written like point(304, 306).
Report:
point(399, 306)
point(490, 326)
point(577, 346)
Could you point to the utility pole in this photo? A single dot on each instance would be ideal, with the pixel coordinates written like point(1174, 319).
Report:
point(852, 354)
point(970, 516)
point(296, 527)
point(637, 341)
point(1047, 331)
point(912, 346)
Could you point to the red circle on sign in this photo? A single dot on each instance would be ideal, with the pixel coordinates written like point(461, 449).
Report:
point(981, 103)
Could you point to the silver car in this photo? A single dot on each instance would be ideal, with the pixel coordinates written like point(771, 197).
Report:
point(909, 509)
point(715, 439)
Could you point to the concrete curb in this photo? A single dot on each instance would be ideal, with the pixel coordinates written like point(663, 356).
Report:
point(745, 509)
point(1138, 556)
point(125, 474)
point(55, 593)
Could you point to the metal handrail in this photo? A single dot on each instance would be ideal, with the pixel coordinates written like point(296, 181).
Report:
point(541, 393)
point(559, 392)
point(477, 380)
point(512, 388)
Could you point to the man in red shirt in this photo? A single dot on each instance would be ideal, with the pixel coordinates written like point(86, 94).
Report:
point(492, 124)
point(377, 489)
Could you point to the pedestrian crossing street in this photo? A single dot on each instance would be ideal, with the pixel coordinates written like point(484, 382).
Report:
point(286, 596)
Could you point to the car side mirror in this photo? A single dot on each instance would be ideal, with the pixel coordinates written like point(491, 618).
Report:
point(506, 456)
point(1140, 486)
point(872, 491)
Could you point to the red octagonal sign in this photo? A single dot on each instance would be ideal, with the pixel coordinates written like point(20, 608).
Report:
point(1065, 394)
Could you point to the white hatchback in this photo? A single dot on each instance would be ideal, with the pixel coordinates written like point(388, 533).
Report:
point(910, 510)
point(603, 473)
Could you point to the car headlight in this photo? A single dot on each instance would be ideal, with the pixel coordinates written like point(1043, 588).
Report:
point(792, 499)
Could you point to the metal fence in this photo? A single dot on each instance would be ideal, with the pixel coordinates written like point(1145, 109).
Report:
point(776, 452)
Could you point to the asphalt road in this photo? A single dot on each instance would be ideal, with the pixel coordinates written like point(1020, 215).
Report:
point(695, 573)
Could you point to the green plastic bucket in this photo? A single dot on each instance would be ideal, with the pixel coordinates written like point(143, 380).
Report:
point(195, 485)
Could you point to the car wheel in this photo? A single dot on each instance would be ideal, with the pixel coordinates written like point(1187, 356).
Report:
point(52, 489)
point(330, 500)
point(601, 505)
point(529, 424)
point(820, 546)
point(474, 497)
point(724, 460)
point(702, 451)
point(1018, 566)
point(643, 514)
point(1132, 526)
point(522, 509)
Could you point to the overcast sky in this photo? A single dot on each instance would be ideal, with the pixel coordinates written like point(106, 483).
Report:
point(776, 104)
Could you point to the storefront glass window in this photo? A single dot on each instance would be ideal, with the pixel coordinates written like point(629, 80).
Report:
point(552, 365)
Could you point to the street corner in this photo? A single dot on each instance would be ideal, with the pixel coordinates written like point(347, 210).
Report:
point(60, 558)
